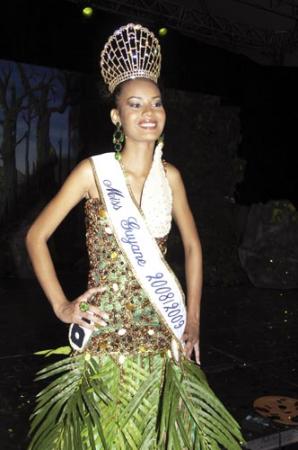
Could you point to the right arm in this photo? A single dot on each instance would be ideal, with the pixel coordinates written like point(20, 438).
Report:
point(77, 186)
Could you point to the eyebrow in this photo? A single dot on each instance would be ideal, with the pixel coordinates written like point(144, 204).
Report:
point(141, 98)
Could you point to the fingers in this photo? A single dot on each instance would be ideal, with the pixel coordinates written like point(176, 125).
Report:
point(91, 319)
point(84, 323)
point(190, 347)
point(197, 353)
point(90, 316)
point(96, 313)
point(87, 295)
point(185, 337)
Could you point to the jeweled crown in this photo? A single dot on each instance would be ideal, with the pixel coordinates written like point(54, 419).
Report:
point(131, 52)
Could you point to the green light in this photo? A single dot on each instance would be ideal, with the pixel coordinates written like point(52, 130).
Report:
point(163, 31)
point(87, 11)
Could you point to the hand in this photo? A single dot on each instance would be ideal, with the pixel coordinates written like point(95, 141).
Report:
point(70, 312)
point(191, 339)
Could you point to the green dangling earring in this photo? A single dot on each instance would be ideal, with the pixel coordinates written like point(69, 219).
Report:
point(118, 139)
point(161, 139)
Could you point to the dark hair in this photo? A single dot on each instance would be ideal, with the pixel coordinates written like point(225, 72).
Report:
point(111, 100)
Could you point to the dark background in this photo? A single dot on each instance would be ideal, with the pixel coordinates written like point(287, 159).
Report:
point(54, 33)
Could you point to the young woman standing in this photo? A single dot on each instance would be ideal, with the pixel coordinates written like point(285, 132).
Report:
point(130, 383)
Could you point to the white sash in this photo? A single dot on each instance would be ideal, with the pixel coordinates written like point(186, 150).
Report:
point(139, 246)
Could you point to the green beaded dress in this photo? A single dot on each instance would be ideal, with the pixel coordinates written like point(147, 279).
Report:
point(126, 391)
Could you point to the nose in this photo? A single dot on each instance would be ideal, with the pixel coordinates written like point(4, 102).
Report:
point(147, 110)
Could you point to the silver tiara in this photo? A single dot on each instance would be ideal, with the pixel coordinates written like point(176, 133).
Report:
point(131, 52)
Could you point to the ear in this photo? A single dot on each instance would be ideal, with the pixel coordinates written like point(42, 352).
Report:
point(115, 116)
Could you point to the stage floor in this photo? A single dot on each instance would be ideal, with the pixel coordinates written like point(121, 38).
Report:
point(248, 350)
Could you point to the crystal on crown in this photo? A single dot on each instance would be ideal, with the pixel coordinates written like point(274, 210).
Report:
point(131, 52)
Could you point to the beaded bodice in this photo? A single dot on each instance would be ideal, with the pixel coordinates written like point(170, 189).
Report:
point(133, 325)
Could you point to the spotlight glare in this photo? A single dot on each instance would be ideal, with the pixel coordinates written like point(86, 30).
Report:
point(87, 11)
point(163, 31)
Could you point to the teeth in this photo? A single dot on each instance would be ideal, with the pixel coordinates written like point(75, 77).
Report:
point(148, 125)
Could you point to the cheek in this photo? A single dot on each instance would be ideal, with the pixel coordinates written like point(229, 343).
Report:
point(127, 119)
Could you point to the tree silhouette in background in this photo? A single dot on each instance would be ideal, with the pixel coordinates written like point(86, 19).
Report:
point(11, 105)
point(29, 97)
point(45, 102)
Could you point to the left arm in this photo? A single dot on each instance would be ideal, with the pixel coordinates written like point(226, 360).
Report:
point(193, 261)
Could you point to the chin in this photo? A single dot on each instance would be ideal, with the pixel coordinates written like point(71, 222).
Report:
point(151, 139)
point(151, 136)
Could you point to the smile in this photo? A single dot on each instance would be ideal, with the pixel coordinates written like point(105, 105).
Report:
point(148, 125)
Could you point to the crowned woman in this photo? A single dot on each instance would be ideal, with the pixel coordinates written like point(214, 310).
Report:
point(128, 381)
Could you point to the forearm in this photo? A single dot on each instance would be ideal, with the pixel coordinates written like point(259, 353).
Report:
point(45, 271)
point(194, 281)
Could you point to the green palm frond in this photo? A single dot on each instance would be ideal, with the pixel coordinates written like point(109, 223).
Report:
point(67, 408)
point(66, 350)
point(147, 403)
point(197, 414)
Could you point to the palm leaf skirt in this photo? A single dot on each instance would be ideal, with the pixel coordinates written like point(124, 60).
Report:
point(138, 402)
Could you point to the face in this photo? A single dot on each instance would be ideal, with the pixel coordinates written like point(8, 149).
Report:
point(140, 111)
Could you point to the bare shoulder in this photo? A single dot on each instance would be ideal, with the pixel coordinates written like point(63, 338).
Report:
point(83, 173)
point(80, 180)
point(87, 179)
point(84, 168)
point(173, 175)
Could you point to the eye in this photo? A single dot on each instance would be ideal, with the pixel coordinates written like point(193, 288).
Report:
point(157, 104)
point(135, 105)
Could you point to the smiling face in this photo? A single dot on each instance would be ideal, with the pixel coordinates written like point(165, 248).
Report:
point(140, 111)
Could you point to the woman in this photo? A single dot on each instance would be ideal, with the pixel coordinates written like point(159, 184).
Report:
point(131, 384)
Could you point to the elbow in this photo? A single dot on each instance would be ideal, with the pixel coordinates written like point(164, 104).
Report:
point(33, 239)
point(30, 239)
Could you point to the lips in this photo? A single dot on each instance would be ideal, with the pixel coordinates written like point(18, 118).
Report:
point(148, 125)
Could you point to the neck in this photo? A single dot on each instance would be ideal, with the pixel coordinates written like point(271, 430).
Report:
point(137, 157)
